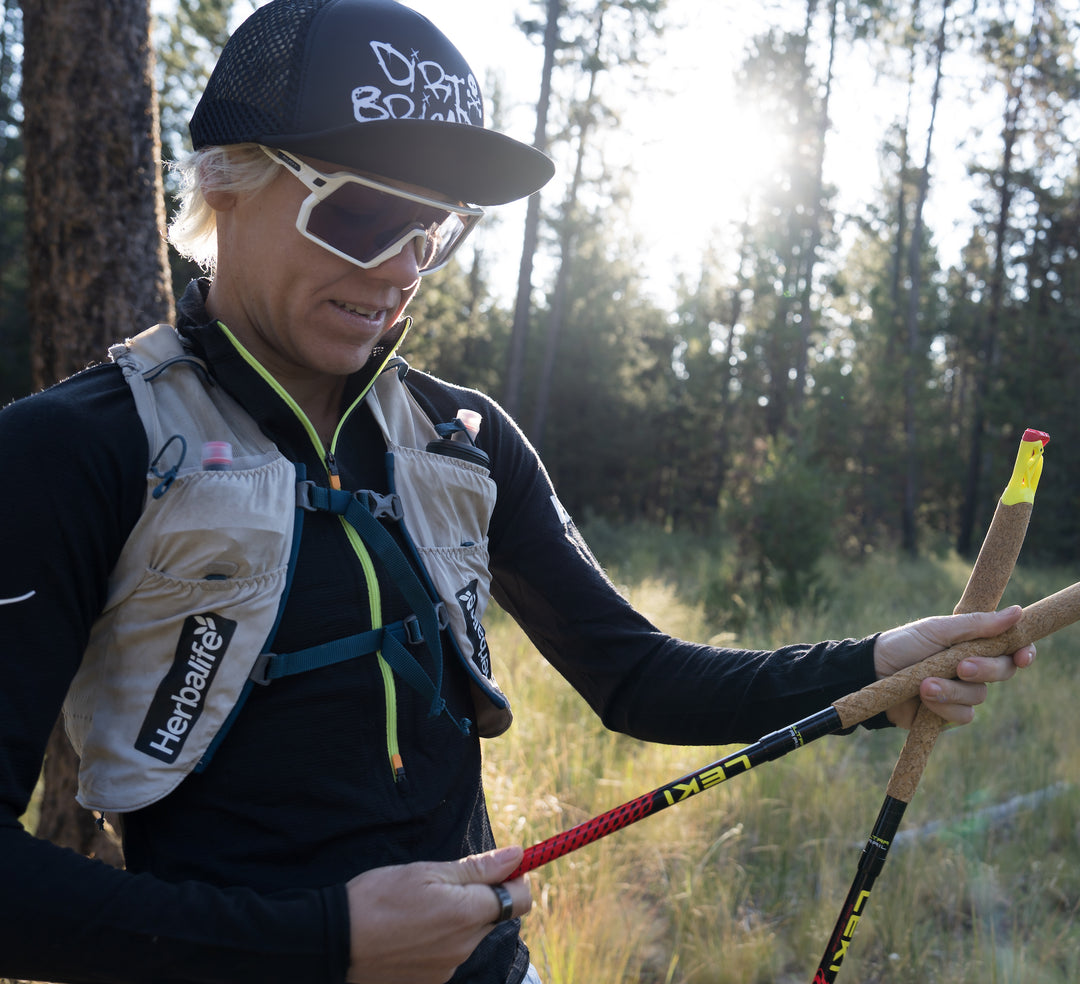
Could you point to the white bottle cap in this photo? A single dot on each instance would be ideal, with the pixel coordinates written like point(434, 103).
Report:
point(471, 419)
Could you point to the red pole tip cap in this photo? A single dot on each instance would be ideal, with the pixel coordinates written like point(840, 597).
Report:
point(1033, 435)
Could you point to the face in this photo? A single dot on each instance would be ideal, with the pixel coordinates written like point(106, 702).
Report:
point(310, 317)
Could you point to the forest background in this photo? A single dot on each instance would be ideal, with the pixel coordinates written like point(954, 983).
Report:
point(797, 411)
point(810, 373)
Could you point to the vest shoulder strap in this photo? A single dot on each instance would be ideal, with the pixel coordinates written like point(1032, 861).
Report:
point(193, 405)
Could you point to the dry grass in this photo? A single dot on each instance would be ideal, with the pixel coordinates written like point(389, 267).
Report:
point(743, 884)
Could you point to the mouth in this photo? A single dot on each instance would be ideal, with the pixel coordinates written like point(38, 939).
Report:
point(371, 314)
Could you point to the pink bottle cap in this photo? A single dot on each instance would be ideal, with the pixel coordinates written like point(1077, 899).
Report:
point(217, 453)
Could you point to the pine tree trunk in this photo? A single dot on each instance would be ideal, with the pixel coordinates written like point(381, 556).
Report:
point(989, 351)
point(566, 254)
point(515, 369)
point(913, 333)
point(95, 210)
point(94, 236)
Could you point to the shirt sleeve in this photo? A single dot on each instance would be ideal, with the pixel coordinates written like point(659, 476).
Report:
point(74, 478)
point(638, 679)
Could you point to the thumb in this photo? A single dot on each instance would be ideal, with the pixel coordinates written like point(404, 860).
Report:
point(982, 625)
point(910, 643)
point(489, 868)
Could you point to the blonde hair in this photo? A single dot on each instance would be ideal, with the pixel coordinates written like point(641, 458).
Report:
point(236, 168)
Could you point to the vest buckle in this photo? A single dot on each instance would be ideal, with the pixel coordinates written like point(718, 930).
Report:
point(260, 672)
point(381, 505)
point(304, 496)
point(414, 634)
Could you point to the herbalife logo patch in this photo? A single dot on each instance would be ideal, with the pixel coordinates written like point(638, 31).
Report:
point(180, 696)
point(470, 601)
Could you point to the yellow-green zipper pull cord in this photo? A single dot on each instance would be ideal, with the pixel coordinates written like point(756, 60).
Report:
point(334, 478)
point(389, 687)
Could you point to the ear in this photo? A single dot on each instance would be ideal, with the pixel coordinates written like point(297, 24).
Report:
point(220, 201)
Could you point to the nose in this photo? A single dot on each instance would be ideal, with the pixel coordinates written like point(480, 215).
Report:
point(403, 268)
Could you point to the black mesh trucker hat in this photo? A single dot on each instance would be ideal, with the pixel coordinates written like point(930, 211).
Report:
point(368, 84)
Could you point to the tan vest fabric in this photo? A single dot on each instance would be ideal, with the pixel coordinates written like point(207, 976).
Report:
point(449, 531)
point(196, 591)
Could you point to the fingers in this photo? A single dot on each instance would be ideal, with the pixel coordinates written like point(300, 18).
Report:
point(489, 870)
point(982, 625)
point(519, 895)
point(995, 669)
point(955, 700)
point(907, 644)
point(943, 631)
point(490, 867)
point(1023, 658)
point(415, 923)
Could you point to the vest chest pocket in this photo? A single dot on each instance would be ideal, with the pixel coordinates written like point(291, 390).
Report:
point(219, 525)
point(447, 505)
point(191, 604)
point(447, 502)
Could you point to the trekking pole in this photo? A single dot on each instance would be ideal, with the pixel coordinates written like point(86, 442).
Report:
point(1036, 622)
point(983, 592)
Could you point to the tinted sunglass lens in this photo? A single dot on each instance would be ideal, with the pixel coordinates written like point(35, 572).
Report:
point(364, 222)
point(370, 226)
point(442, 239)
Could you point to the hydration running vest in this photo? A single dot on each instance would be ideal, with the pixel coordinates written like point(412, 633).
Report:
point(193, 603)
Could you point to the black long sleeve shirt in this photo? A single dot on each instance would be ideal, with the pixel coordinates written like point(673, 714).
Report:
point(238, 876)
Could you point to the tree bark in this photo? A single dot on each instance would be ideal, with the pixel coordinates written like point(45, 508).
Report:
point(814, 234)
point(95, 208)
point(566, 249)
point(913, 333)
point(519, 333)
point(988, 354)
point(95, 242)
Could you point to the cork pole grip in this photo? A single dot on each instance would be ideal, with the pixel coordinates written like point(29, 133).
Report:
point(985, 586)
point(1036, 622)
point(996, 559)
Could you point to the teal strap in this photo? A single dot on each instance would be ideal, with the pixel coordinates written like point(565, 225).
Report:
point(362, 510)
point(404, 664)
point(389, 639)
point(274, 666)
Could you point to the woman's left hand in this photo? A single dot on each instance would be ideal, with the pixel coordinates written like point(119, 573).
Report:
point(954, 700)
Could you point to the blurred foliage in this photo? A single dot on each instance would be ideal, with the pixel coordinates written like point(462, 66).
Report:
point(776, 404)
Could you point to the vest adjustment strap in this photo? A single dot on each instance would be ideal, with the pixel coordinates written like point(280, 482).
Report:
point(390, 640)
point(274, 666)
point(317, 498)
point(362, 510)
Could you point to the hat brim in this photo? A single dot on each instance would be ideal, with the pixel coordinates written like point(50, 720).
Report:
point(468, 163)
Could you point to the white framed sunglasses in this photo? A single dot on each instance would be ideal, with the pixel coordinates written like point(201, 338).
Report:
point(367, 222)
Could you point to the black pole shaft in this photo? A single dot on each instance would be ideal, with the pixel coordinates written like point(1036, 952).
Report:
point(766, 749)
point(870, 864)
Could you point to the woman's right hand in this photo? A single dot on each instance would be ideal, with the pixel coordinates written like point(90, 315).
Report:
point(417, 923)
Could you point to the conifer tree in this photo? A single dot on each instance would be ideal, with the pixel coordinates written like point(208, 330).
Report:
point(94, 233)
